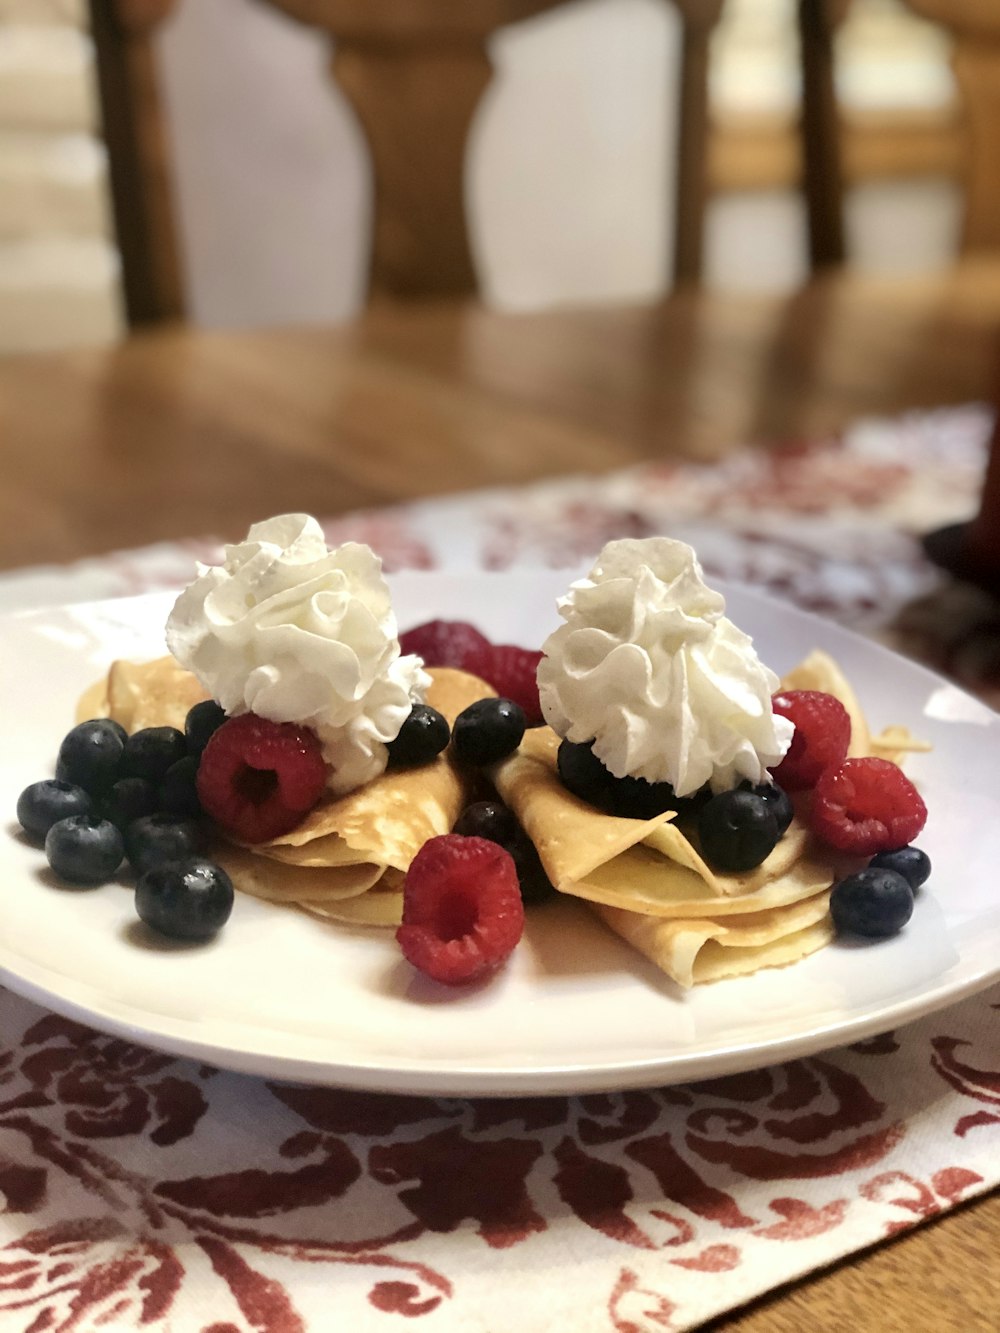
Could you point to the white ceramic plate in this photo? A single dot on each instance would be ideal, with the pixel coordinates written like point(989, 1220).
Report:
point(284, 995)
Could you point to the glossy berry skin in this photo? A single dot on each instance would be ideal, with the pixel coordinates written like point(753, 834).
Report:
point(737, 830)
point(201, 723)
point(583, 774)
point(874, 903)
point(90, 755)
point(44, 803)
point(910, 862)
point(421, 738)
point(488, 731)
point(185, 900)
point(778, 802)
point(178, 792)
point(448, 643)
point(822, 735)
point(866, 806)
point(84, 850)
point(129, 799)
point(150, 752)
point(159, 839)
point(488, 819)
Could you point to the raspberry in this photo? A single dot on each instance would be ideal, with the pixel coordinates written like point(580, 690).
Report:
point(462, 910)
point(257, 778)
point(448, 643)
point(867, 806)
point(513, 674)
point(822, 735)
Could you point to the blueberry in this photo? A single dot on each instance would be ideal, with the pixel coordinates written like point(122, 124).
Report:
point(44, 803)
point(161, 838)
point(582, 773)
point(738, 830)
point(534, 883)
point(129, 799)
point(201, 724)
point(488, 819)
point(178, 794)
point(90, 755)
point(150, 752)
point(83, 849)
point(872, 902)
point(910, 862)
point(488, 731)
point(635, 798)
point(187, 900)
point(778, 802)
point(423, 735)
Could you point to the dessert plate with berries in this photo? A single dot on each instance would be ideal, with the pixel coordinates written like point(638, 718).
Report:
point(276, 991)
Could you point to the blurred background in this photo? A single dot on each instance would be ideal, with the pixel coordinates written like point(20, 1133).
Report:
point(570, 171)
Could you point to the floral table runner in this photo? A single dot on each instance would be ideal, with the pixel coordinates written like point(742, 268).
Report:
point(142, 1191)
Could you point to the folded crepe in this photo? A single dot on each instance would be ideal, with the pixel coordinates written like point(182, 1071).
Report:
point(346, 860)
point(649, 882)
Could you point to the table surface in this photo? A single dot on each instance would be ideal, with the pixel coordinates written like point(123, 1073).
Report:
point(182, 433)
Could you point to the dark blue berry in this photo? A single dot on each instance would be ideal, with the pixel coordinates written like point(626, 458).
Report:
point(150, 752)
point(186, 900)
point(534, 883)
point(90, 755)
point(157, 839)
point(910, 862)
point(873, 902)
point(129, 799)
point(84, 849)
point(737, 830)
point(178, 793)
point(583, 774)
point(44, 803)
point(778, 802)
point(488, 819)
point(488, 731)
point(635, 798)
point(201, 724)
point(422, 737)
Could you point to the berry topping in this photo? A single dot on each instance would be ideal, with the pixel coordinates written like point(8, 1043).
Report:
point(129, 799)
point(738, 830)
point(44, 803)
point(910, 862)
point(867, 806)
point(873, 902)
point(582, 773)
point(777, 802)
point(83, 849)
point(423, 735)
point(822, 735)
point(513, 673)
point(498, 823)
point(462, 910)
point(202, 721)
point(488, 731)
point(157, 839)
point(258, 779)
point(179, 788)
point(187, 900)
point(448, 643)
point(90, 755)
point(150, 752)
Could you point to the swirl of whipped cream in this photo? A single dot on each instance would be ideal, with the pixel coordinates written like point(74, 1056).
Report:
point(649, 668)
point(295, 632)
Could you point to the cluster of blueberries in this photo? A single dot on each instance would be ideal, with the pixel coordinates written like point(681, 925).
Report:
point(117, 797)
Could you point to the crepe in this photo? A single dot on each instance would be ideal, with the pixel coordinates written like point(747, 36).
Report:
point(346, 859)
point(648, 881)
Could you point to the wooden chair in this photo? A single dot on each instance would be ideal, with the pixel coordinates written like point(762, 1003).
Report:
point(414, 71)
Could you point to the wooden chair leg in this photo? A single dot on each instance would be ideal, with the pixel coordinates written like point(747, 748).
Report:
point(698, 18)
point(821, 164)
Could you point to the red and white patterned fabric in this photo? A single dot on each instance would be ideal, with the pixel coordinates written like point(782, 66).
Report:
point(142, 1191)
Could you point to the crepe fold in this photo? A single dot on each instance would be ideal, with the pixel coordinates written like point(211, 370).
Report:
point(346, 860)
point(649, 882)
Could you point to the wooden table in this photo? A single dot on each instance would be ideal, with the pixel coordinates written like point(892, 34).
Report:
point(182, 433)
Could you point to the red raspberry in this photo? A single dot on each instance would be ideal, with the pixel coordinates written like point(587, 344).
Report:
point(513, 673)
point(462, 910)
point(448, 643)
point(867, 806)
point(822, 735)
point(258, 779)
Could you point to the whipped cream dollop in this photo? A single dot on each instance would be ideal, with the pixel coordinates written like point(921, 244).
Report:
point(295, 632)
point(649, 668)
